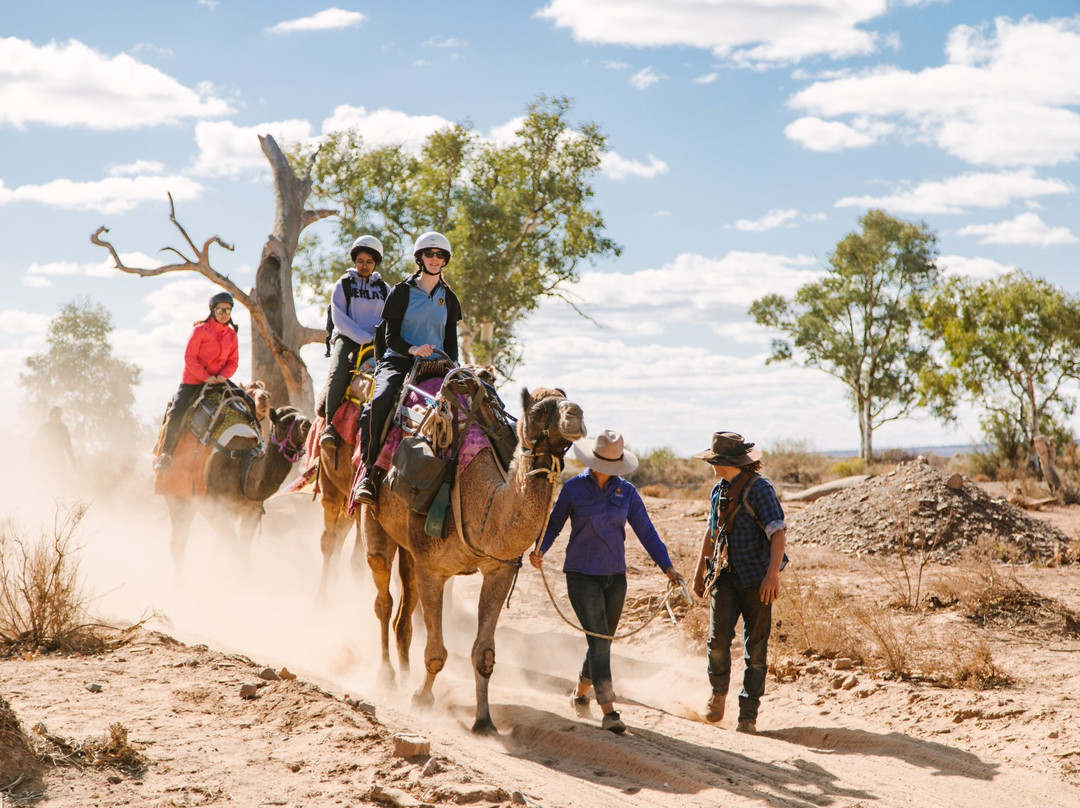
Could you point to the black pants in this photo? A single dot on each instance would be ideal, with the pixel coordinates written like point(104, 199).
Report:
point(342, 361)
point(598, 603)
point(178, 408)
point(389, 379)
point(730, 601)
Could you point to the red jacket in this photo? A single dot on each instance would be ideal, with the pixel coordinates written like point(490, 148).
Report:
point(211, 351)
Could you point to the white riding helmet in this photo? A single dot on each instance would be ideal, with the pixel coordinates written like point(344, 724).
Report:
point(369, 243)
point(432, 241)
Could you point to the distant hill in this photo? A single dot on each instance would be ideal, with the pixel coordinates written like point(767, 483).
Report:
point(940, 451)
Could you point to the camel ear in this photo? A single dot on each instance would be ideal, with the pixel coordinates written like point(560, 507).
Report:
point(526, 399)
point(560, 391)
point(274, 415)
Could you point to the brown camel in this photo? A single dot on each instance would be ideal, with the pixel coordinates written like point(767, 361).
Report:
point(238, 485)
point(501, 518)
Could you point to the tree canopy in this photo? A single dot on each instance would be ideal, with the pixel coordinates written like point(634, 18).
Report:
point(1011, 342)
point(862, 322)
point(79, 373)
point(517, 213)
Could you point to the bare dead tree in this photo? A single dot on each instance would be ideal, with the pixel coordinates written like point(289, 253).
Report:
point(279, 335)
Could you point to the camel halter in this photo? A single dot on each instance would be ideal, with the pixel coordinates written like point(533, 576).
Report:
point(289, 450)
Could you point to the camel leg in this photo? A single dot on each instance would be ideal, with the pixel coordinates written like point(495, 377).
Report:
point(430, 588)
point(335, 528)
point(250, 519)
point(181, 512)
point(380, 558)
point(493, 594)
point(403, 620)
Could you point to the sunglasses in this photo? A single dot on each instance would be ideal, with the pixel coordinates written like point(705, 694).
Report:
point(434, 254)
point(223, 308)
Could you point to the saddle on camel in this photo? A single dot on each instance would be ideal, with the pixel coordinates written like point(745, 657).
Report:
point(220, 413)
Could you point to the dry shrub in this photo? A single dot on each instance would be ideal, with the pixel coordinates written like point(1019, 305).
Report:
point(808, 620)
point(42, 605)
point(893, 639)
point(113, 750)
point(661, 473)
point(796, 462)
point(848, 467)
point(972, 666)
point(20, 770)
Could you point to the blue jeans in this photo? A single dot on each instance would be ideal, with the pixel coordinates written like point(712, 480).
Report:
point(598, 603)
point(731, 600)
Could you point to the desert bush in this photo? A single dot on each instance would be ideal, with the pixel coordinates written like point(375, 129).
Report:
point(112, 750)
point(972, 665)
point(809, 620)
point(795, 461)
point(893, 638)
point(42, 604)
point(20, 770)
point(848, 467)
point(661, 473)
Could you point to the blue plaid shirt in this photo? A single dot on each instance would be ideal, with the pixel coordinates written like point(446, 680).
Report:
point(749, 546)
point(598, 519)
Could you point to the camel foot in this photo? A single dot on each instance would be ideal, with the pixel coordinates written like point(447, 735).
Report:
point(423, 698)
point(484, 726)
point(387, 677)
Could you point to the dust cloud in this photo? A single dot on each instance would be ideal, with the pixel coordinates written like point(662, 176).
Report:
point(263, 604)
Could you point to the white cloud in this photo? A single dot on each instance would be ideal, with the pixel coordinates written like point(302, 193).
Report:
point(1004, 97)
point(226, 149)
point(977, 268)
point(616, 65)
point(108, 196)
point(1027, 229)
point(136, 168)
point(770, 221)
point(957, 194)
point(71, 84)
point(506, 133)
point(326, 20)
point(829, 136)
point(617, 168)
point(149, 49)
point(445, 42)
point(385, 127)
point(102, 269)
point(745, 33)
point(708, 78)
point(646, 78)
point(13, 321)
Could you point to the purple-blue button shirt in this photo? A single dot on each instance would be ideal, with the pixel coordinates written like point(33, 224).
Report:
point(598, 519)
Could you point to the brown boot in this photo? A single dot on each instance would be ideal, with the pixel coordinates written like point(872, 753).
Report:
point(714, 711)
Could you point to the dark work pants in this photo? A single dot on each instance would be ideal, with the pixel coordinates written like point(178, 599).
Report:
point(390, 376)
point(178, 408)
point(731, 600)
point(598, 603)
point(342, 361)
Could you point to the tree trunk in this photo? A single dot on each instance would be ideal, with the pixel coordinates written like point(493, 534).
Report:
point(279, 366)
point(866, 432)
point(1044, 448)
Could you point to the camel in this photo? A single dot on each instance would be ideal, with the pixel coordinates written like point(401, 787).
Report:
point(501, 518)
point(237, 487)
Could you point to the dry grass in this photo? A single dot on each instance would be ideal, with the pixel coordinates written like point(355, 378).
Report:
point(113, 750)
point(43, 606)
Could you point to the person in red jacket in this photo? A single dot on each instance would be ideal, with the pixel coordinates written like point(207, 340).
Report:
point(211, 358)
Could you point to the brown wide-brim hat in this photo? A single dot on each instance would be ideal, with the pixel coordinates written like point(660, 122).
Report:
point(606, 453)
point(730, 449)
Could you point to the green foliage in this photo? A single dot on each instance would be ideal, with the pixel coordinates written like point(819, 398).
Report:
point(518, 214)
point(862, 322)
point(1012, 343)
point(79, 373)
point(849, 467)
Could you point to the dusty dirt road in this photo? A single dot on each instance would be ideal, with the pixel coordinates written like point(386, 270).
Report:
point(299, 743)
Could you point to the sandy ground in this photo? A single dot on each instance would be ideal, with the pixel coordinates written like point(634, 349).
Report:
point(176, 689)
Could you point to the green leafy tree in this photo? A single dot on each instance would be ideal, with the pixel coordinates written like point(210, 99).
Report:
point(862, 322)
point(517, 214)
point(1012, 344)
point(79, 373)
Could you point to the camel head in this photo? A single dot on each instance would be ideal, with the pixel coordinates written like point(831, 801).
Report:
point(549, 421)
point(261, 396)
point(289, 432)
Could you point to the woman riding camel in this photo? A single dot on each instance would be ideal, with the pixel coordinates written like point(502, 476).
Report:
point(600, 503)
point(356, 309)
point(421, 316)
point(211, 357)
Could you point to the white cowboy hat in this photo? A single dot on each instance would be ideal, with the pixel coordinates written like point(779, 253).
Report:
point(606, 453)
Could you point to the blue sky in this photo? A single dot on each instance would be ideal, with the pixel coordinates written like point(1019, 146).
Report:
point(746, 139)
